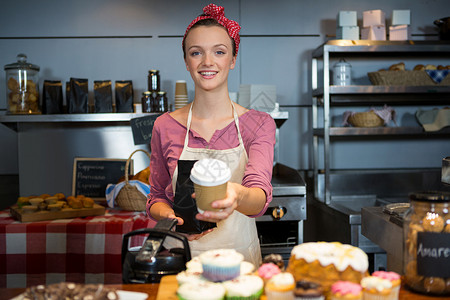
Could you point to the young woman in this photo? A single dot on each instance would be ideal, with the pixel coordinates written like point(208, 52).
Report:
point(213, 126)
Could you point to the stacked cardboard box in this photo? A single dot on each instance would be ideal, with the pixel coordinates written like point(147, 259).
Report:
point(347, 27)
point(374, 25)
point(399, 30)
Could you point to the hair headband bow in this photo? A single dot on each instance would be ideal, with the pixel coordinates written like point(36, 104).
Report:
point(213, 11)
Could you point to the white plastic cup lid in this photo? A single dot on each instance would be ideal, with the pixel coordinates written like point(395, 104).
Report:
point(210, 172)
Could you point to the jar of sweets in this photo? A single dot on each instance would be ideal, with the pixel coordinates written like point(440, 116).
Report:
point(426, 229)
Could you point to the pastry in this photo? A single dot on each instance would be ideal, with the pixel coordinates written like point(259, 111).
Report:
point(433, 222)
point(87, 202)
point(419, 68)
point(26, 209)
point(394, 278)
point(376, 288)
point(51, 200)
point(221, 264)
point(280, 286)
point(345, 290)
point(397, 67)
point(35, 201)
point(308, 290)
point(434, 285)
point(201, 291)
point(275, 259)
point(326, 263)
point(246, 287)
point(268, 270)
point(75, 203)
point(430, 67)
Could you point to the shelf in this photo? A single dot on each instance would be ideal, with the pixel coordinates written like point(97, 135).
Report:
point(381, 47)
point(382, 89)
point(377, 131)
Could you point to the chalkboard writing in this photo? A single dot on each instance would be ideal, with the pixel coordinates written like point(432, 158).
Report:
point(142, 128)
point(92, 175)
point(433, 254)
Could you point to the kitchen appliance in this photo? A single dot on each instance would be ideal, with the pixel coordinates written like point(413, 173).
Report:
point(444, 28)
point(149, 262)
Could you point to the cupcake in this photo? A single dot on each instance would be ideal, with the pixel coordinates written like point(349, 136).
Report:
point(189, 276)
point(246, 287)
point(201, 291)
point(275, 259)
point(376, 288)
point(267, 271)
point(221, 264)
point(247, 268)
point(394, 278)
point(308, 290)
point(194, 265)
point(345, 290)
point(280, 287)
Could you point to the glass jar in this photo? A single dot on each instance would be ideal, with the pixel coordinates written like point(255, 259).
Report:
point(147, 102)
point(154, 81)
point(161, 103)
point(342, 73)
point(426, 251)
point(22, 87)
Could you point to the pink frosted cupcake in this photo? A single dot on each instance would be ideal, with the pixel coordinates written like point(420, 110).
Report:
point(345, 290)
point(394, 278)
point(268, 270)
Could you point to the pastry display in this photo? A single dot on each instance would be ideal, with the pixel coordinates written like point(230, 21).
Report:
point(47, 202)
point(23, 97)
point(326, 263)
point(68, 291)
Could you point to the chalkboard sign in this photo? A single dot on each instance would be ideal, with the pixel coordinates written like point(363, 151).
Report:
point(142, 128)
point(92, 175)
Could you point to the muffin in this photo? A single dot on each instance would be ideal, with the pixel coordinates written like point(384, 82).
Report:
point(26, 209)
point(189, 277)
point(87, 202)
point(267, 271)
point(308, 290)
point(194, 265)
point(247, 268)
point(51, 200)
point(35, 201)
point(246, 287)
point(221, 264)
point(376, 288)
point(394, 278)
point(345, 290)
point(201, 291)
point(280, 287)
point(275, 259)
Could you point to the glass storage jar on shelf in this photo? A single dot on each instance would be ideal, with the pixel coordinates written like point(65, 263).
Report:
point(22, 87)
point(426, 229)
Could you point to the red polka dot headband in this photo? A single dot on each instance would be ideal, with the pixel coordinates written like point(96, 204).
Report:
point(213, 11)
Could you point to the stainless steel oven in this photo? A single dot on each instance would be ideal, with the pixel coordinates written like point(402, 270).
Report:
point(281, 226)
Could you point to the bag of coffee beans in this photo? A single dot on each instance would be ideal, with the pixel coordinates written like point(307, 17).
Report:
point(102, 96)
point(52, 97)
point(124, 96)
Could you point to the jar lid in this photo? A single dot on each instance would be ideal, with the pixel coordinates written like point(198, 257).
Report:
point(153, 71)
point(162, 93)
point(432, 196)
point(342, 63)
point(146, 93)
point(22, 64)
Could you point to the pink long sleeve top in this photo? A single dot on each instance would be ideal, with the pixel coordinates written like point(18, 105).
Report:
point(258, 134)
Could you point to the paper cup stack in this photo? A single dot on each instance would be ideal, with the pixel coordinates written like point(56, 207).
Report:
point(181, 97)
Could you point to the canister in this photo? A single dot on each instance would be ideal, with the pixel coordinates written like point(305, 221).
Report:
point(342, 73)
point(161, 103)
point(22, 87)
point(426, 230)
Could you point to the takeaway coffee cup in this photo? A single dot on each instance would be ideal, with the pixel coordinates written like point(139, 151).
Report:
point(210, 177)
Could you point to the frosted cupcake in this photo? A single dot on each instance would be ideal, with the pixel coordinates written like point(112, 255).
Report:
point(247, 268)
point(246, 287)
point(394, 278)
point(345, 290)
point(376, 288)
point(201, 291)
point(221, 264)
point(189, 277)
point(194, 265)
point(308, 290)
point(268, 270)
point(280, 287)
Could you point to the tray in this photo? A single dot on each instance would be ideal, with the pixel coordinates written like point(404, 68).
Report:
point(65, 213)
point(168, 289)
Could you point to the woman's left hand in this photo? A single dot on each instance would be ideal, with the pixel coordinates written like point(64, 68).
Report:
point(226, 206)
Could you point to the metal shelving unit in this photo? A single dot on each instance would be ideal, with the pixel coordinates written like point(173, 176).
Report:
point(325, 96)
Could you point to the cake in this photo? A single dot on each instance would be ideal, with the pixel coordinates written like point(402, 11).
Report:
point(280, 287)
point(201, 291)
point(345, 290)
point(221, 264)
point(308, 290)
point(69, 290)
point(246, 287)
point(326, 263)
point(376, 288)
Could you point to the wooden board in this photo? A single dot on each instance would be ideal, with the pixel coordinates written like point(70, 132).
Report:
point(65, 213)
point(168, 289)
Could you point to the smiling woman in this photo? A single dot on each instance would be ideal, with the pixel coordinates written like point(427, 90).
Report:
point(213, 126)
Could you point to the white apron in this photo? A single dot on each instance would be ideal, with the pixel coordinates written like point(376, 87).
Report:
point(238, 231)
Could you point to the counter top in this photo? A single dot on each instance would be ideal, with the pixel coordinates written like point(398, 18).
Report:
point(152, 292)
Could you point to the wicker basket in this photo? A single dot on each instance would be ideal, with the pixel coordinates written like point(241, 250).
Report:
point(129, 197)
point(366, 119)
point(408, 78)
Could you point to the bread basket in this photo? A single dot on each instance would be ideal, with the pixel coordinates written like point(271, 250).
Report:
point(129, 197)
point(365, 119)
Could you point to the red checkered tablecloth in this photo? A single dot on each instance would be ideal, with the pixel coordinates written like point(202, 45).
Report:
point(82, 250)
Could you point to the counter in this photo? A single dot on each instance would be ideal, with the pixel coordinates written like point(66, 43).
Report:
point(153, 288)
